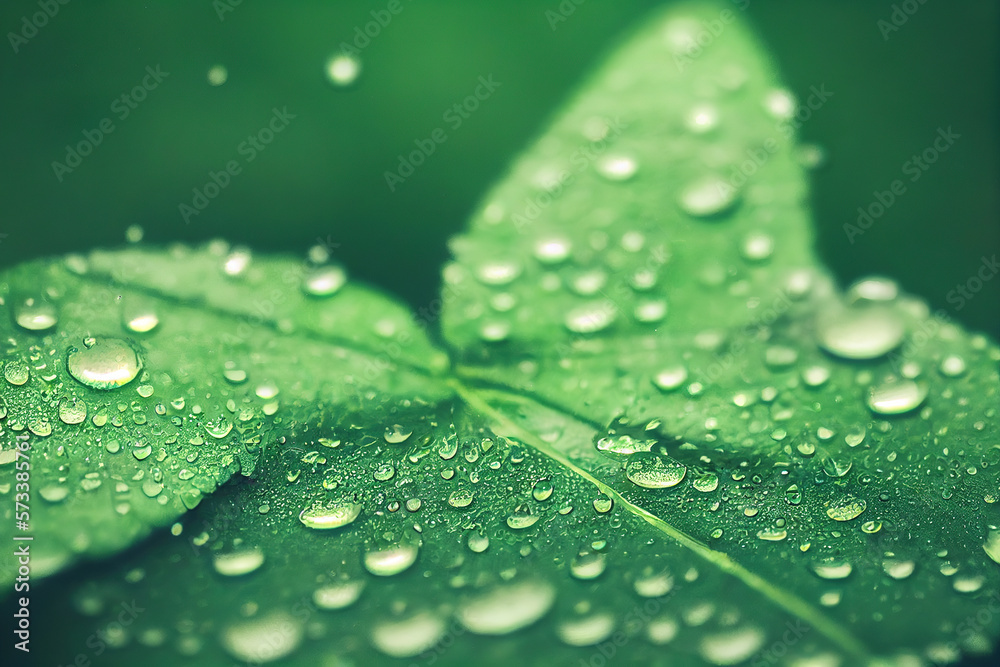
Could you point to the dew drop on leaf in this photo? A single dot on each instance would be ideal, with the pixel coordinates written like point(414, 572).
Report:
point(35, 314)
point(106, 363)
point(338, 595)
point(507, 608)
point(238, 563)
point(330, 514)
point(391, 560)
point(654, 472)
point(324, 281)
point(894, 397)
point(410, 636)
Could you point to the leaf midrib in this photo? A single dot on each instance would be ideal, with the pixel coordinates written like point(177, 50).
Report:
point(456, 379)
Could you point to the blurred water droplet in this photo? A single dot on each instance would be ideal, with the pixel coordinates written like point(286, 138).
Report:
point(238, 563)
point(391, 560)
point(507, 608)
point(707, 196)
point(217, 75)
point(35, 314)
point(338, 595)
point(262, 639)
point(894, 397)
point(410, 636)
point(343, 69)
point(324, 281)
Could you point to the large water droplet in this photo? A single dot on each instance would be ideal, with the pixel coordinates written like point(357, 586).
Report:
point(896, 397)
point(35, 314)
point(238, 563)
point(586, 631)
point(324, 280)
point(72, 410)
point(16, 372)
point(264, 639)
point(865, 332)
point(104, 363)
point(408, 637)
point(832, 569)
point(338, 595)
point(654, 472)
point(505, 609)
point(708, 196)
point(331, 514)
point(588, 565)
point(391, 560)
point(590, 318)
point(846, 508)
point(617, 167)
point(731, 647)
point(898, 569)
point(552, 250)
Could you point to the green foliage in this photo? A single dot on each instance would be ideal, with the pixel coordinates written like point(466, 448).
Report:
point(664, 435)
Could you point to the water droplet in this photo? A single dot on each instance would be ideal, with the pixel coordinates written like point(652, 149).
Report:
point(706, 482)
point(72, 410)
point(218, 428)
point(757, 246)
point(16, 372)
point(107, 363)
point(617, 167)
point(653, 584)
point(836, 466)
point(708, 196)
point(654, 472)
point(832, 569)
point(865, 332)
point(217, 75)
point(478, 542)
point(872, 290)
point(522, 518)
point(992, 545)
point(35, 314)
point(731, 647)
point(494, 332)
point(871, 526)
point(238, 563)
point(952, 366)
point(772, 534)
point(846, 508)
point(139, 316)
point(384, 472)
point(410, 636)
point(670, 378)
point(895, 397)
point(603, 504)
point(237, 262)
point(391, 560)
point(396, 434)
point(508, 608)
point(588, 565)
point(461, 498)
point(542, 490)
point(591, 318)
point(898, 569)
point(589, 282)
point(586, 631)
point(323, 281)
point(780, 104)
point(968, 583)
point(343, 69)
point(498, 273)
point(702, 118)
point(54, 493)
point(264, 639)
point(653, 310)
point(552, 250)
point(338, 595)
point(134, 234)
point(330, 514)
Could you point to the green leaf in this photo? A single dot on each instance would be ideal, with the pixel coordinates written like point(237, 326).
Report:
point(666, 437)
point(216, 361)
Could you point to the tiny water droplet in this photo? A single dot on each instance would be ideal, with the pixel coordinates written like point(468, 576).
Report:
point(343, 69)
point(324, 281)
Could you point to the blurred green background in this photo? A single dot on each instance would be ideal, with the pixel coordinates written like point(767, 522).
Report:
point(322, 177)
